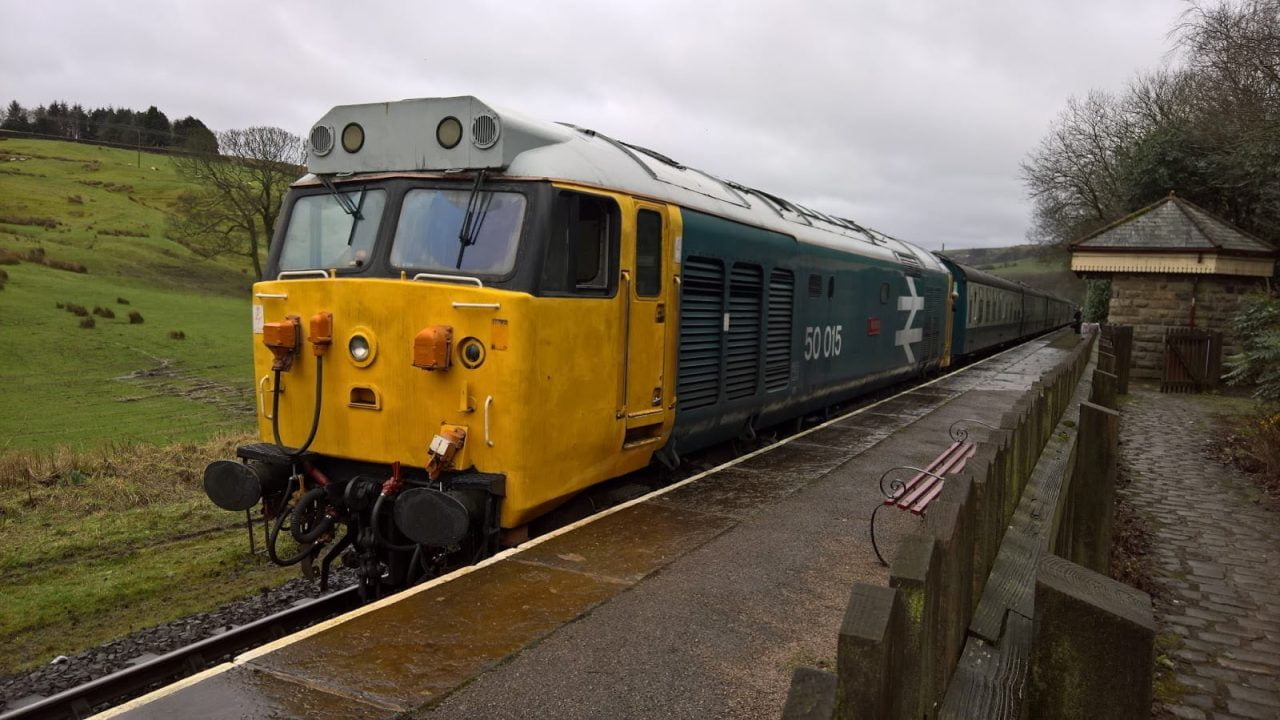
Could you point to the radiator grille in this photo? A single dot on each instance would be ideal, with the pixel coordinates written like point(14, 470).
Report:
point(777, 364)
point(742, 365)
point(934, 314)
point(701, 299)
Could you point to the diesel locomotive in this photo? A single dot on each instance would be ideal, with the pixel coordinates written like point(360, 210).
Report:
point(469, 316)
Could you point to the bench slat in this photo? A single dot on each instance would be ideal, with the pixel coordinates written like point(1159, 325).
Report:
point(921, 489)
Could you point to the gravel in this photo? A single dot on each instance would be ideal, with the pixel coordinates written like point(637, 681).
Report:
point(63, 672)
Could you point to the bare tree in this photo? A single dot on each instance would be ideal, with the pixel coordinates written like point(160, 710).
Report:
point(1074, 175)
point(1208, 130)
point(234, 210)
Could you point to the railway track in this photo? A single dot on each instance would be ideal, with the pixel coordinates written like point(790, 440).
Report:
point(84, 700)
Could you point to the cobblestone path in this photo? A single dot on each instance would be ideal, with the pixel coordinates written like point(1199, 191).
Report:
point(1217, 553)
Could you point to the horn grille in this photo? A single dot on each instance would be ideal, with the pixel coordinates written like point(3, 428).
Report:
point(484, 130)
point(321, 140)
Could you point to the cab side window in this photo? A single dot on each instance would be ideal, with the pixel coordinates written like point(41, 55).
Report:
point(648, 254)
point(582, 250)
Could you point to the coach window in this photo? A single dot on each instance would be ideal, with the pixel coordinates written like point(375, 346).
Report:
point(582, 250)
point(648, 254)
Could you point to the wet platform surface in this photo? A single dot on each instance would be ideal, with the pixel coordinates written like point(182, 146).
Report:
point(696, 602)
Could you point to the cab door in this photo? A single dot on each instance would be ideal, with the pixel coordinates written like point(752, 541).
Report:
point(646, 281)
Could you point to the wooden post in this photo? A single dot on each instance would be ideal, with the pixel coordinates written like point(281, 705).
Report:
point(868, 661)
point(1093, 649)
point(1093, 487)
point(914, 574)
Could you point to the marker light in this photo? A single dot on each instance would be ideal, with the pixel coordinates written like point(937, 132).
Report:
point(352, 137)
point(359, 348)
point(449, 132)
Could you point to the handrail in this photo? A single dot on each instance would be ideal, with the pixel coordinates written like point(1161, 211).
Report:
point(467, 279)
point(487, 402)
point(624, 289)
point(482, 306)
point(303, 273)
point(274, 296)
point(262, 397)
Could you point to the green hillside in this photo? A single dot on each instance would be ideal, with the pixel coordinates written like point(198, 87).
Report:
point(64, 207)
point(1047, 268)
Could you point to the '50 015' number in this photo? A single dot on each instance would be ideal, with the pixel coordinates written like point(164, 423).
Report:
point(822, 341)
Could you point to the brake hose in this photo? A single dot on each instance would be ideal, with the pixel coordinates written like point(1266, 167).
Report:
point(274, 534)
point(315, 415)
point(324, 525)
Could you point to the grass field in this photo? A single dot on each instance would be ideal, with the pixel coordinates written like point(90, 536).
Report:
point(104, 431)
point(101, 543)
point(116, 382)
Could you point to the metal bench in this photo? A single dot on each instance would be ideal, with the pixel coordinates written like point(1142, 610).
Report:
point(922, 488)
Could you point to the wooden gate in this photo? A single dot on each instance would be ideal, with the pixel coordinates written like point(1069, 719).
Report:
point(1192, 359)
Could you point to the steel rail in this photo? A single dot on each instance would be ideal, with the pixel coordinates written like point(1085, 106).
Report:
point(84, 700)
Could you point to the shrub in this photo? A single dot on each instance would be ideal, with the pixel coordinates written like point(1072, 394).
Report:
point(87, 322)
point(103, 312)
point(78, 310)
point(121, 301)
point(1097, 301)
point(44, 222)
point(9, 257)
point(64, 265)
point(177, 335)
point(1258, 362)
point(75, 199)
point(135, 317)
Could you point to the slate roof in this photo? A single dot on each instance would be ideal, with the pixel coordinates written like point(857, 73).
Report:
point(1173, 224)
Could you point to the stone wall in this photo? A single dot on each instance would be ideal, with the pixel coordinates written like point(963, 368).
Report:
point(1150, 302)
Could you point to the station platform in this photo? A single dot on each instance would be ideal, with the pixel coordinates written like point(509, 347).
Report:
point(695, 601)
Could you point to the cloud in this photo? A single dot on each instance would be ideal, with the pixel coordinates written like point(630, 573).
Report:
point(911, 117)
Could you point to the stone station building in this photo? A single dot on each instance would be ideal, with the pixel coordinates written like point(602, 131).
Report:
point(1173, 264)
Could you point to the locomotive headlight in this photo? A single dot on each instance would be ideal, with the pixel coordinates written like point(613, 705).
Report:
point(359, 348)
point(352, 137)
point(449, 132)
point(471, 352)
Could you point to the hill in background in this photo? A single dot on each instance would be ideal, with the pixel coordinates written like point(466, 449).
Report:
point(83, 227)
point(1043, 267)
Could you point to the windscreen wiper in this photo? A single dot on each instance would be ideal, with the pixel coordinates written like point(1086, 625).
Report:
point(344, 202)
point(477, 207)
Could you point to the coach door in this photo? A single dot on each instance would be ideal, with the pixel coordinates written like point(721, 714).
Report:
point(646, 281)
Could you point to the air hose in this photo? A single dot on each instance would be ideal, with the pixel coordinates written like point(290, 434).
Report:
point(315, 415)
point(324, 525)
point(274, 534)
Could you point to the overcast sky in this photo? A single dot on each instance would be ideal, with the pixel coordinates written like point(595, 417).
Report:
point(911, 117)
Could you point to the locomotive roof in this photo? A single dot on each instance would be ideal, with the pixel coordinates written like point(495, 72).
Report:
point(402, 137)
